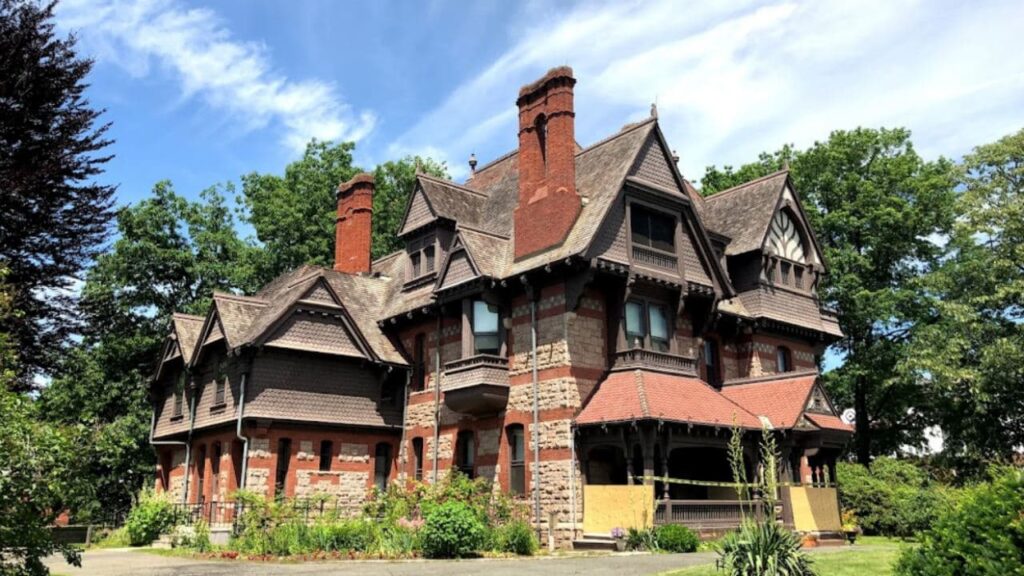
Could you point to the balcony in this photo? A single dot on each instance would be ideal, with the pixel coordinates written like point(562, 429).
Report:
point(476, 385)
point(654, 258)
point(643, 359)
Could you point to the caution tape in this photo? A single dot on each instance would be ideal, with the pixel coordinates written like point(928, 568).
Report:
point(711, 483)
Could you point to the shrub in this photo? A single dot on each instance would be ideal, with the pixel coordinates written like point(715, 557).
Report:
point(642, 539)
point(892, 498)
point(982, 535)
point(516, 537)
point(763, 549)
point(193, 537)
point(675, 538)
point(152, 516)
point(342, 535)
point(452, 530)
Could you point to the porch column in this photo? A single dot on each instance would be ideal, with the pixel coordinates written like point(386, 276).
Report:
point(648, 437)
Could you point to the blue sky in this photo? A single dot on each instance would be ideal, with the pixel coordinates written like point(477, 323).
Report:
point(202, 93)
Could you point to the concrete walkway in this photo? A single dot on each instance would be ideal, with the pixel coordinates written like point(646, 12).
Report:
point(127, 561)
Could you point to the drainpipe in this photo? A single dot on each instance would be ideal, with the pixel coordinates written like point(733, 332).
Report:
point(188, 449)
point(536, 408)
point(239, 435)
point(437, 395)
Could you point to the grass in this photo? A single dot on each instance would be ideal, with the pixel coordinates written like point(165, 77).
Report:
point(872, 555)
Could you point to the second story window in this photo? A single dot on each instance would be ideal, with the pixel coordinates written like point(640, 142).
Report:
point(784, 359)
point(652, 229)
point(712, 363)
point(486, 338)
point(647, 326)
point(179, 396)
point(419, 359)
point(465, 449)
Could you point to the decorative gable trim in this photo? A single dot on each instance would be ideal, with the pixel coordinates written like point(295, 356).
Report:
point(315, 329)
point(418, 212)
point(459, 266)
point(789, 201)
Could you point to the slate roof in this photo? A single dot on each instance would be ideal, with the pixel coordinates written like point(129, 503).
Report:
point(490, 253)
point(744, 212)
point(645, 395)
point(186, 329)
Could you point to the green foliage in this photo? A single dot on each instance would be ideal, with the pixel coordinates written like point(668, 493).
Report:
point(453, 530)
point(892, 498)
point(516, 537)
point(152, 516)
point(39, 474)
point(970, 354)
point(342, 535)
point(642, 539)
point(983, 535)
point(676, 538)
point(195, 537)
point(763, 549)
point(876, 207)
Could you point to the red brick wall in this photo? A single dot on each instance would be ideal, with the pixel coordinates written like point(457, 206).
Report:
point(352, 234)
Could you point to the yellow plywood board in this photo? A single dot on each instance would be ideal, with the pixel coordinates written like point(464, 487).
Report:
point(815, 509)
point(607, 507)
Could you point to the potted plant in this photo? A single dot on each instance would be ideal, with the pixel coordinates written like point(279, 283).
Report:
point(619, 535)
point(851, 527)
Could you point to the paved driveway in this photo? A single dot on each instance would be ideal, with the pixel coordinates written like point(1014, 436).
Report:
point(123, 562)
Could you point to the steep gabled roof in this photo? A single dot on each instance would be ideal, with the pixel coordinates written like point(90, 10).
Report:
point(744, 212)
point(645, 395)
point(186, 329)
point(442, 199)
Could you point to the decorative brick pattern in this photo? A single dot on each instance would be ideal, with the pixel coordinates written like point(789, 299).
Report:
point(488, 442)
point(348, 488)
point(259, 448)
point(257, 480)
point(354, 453)
point(445, 450)
point(306, 450)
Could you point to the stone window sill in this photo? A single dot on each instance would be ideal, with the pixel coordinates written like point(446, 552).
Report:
point(218, 407)
point(177, 418)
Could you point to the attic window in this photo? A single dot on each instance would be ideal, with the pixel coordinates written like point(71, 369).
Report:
point(647, 326)
point(422, 257)
point(652, 229)
point(785, 240)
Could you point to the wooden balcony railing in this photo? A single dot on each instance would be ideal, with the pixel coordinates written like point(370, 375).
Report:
point(705, 514)
point(656, 258)
point(651, 359)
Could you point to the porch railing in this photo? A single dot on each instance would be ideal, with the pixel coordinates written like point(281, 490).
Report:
point(706, 513)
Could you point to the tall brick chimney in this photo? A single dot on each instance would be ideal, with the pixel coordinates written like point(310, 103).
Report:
point(352, 232)
point(548, 202)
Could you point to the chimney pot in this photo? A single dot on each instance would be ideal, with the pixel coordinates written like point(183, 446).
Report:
point(353, 228)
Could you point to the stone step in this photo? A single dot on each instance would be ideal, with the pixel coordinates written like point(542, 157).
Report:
point(594, 542)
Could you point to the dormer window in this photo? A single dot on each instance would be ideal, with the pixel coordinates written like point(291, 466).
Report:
point(422, 257)
point(790, 263)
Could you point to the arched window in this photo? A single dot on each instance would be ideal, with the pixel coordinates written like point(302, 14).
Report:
point(785, 240)
point(381, 465)
point(516, 459)
point(784, 359)
point(465, 449)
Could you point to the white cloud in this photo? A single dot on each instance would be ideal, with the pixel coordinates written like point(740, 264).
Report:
point(734, 79)
point(232, 76)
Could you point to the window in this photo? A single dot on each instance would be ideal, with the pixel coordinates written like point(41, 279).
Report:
point(218, 451)
point(417, 458)
point(381, 465)
point(647, 326)
point(428, 257)
point(419, 362)
point(414, 261)
point(284, 457)
point(652, 229)
point(422, 257)
point(516, 460)
point(635, 329)
point(219, 392)
point(712, 371)
point(201, 475)
point(798, 276)
point(464, 450)
point(784, 359)
point(784, 272)
point(326, 455)
point(179, 393)
point(485, 328)
point(658, 321)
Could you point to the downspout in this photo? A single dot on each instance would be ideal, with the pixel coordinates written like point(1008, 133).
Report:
point(239, 435)
point(405, 414)
point(536, 408)
point(437, 395)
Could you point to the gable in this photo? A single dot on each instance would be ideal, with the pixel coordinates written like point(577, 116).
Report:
point(652, 164)
point(818, 402)
point(789, 234)
point(315, 331)
point(418, 213)
point(215, 332)
point(319, 292)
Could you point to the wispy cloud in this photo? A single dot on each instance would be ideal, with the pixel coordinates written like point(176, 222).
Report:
point(233, 76)
point(733, 79)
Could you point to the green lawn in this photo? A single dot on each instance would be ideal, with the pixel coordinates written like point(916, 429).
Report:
point(874, 557)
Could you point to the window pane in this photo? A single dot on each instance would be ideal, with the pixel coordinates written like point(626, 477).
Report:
point(428, 254)
point(516, 444)
point(487, 344)
point(634, 323)
point(485, 317)
point(326, 454)
point(663, 232)
point(640, 224)
point(659, 322)
point(415, 263)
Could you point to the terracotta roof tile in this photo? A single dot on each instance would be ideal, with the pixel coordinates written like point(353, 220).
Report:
point(782, 401)
point(645, 395)
point(828, 422)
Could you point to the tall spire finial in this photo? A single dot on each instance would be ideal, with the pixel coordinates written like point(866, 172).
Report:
point(472, 163)
point(654, 109)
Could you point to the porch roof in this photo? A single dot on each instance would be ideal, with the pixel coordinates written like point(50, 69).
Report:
point(781, 400)
point(644, 395)
point(828, 422)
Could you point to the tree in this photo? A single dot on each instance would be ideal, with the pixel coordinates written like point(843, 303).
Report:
point(38, 471)
point(971, 352)
point(170, 255)
point(876, 208)
point(53, 215)
point(294, 215)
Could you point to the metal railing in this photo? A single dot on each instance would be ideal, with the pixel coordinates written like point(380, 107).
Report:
point(707, 513)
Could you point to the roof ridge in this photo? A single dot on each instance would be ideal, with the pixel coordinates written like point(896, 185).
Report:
point(494, 162)
point(455, 185)
point(641, 391)
point(745, 184)
point(317, 271)
point(767, 378)
point(484, 232)
point(394, 254)
point(625, 130)
point(187, 316)
point(239, 297)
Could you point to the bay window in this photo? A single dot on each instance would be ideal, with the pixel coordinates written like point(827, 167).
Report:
point(486, 336)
